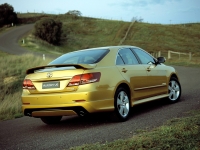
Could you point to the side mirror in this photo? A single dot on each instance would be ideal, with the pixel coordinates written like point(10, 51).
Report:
point(160, 60)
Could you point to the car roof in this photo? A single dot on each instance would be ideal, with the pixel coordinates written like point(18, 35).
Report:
point(108, 60)
point(109, 47)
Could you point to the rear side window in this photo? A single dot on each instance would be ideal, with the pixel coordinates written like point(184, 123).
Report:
point(126, 56)
point(81, 57)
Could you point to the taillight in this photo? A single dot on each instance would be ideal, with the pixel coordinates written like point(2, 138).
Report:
point(75, 81)
point(85, 79)
point(27, 84)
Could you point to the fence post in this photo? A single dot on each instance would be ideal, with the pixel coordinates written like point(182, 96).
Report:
point(159, 53)
point(190, 55)
point(169, 55)
point(43, 56)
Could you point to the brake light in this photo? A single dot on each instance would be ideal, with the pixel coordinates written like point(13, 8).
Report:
point(85, 79)
point(27, 84)
point(75, 81)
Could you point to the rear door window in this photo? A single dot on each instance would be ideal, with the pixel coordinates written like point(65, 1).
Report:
point(126, 56)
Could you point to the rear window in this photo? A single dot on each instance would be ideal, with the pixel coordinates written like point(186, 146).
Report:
point(81, 57)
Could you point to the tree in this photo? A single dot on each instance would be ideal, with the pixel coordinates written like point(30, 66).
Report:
point(137, 19)
point(74, 13)
point(7, 15)
point(49, 30)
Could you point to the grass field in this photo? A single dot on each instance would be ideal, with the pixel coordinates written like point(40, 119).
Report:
point(12, 73)
point(83, 32)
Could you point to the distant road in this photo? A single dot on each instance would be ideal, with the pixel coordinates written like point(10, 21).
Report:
point(8, 40)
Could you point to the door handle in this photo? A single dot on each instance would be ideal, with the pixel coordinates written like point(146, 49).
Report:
point(124, 70)
point(151, 67)
point(148, 69)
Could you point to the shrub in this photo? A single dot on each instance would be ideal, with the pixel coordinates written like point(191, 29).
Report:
point(49, 30)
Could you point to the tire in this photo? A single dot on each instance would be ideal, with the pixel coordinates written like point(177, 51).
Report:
point(51, 119)
point(174, 88)
point(122, 104)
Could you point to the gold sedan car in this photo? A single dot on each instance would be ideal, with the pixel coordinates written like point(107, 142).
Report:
point(100, 79)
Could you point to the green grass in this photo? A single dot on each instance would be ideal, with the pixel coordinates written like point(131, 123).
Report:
point(26, 18)
point(176, 134)
point(12, 73)
point(195, 62)
point(3, 54)
point(83, 32)
point(38, 45)
point(5, 28)
point(31, 14)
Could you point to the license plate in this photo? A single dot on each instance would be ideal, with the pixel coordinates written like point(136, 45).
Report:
point(50, 85)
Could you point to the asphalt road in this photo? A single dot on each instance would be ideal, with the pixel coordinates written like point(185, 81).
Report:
point(8, 40)
point(32, 133)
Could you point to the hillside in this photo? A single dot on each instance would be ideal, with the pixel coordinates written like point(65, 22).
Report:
point(82, 32)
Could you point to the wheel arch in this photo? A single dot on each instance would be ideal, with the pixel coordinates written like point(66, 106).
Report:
point(174, 75)
point(126, 86)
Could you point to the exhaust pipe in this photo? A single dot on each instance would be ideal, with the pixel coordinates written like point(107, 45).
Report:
point(29, 114)
point(81, 113)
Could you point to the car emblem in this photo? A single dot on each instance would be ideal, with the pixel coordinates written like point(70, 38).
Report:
point(49, 74)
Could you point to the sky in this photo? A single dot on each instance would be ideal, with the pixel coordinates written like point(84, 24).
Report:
point(151, 11)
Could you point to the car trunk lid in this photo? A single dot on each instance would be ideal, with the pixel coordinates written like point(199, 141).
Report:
point(55, 78)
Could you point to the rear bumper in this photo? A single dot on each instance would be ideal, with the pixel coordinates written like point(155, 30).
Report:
point(66, 104)
point(59, 111)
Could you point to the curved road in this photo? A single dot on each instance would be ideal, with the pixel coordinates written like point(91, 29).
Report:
point(31, 133)
point(8, 40)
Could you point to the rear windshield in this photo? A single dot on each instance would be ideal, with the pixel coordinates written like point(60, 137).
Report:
point(81, 57)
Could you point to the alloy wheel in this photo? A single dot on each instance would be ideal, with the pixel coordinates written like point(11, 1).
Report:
point(174, 90)
point(123, 105)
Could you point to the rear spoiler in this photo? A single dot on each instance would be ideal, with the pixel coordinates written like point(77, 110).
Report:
point(84, 66)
